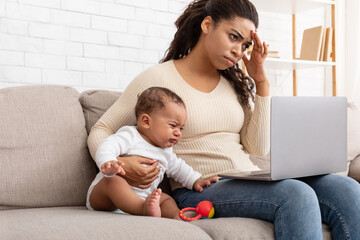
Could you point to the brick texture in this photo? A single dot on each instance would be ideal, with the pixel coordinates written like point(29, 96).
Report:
point(103, 44)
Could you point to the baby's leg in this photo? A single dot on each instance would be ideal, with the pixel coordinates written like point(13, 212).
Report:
point(115, 193)
point(168, 206)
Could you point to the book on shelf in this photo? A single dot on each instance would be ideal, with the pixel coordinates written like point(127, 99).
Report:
point(271, 54)
point(316, 44)
point(311, 43)
point(328, 44)
point(322, 51)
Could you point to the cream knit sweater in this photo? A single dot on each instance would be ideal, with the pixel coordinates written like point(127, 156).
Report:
point(218, 135)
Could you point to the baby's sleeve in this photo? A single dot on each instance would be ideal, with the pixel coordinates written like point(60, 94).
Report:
point(115, 145)
point(181, 172)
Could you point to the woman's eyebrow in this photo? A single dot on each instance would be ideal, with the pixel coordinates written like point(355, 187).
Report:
point(241, 36)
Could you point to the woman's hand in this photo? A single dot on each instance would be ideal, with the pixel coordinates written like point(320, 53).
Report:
point(255, 66)
point(138, 175)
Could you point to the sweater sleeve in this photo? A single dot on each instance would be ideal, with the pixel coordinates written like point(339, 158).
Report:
point(255, 133)
point(181, 172)
point(122, 112)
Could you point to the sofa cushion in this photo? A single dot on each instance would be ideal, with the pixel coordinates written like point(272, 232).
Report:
point(79, 223)
point(237, 228)
point(355, 169)
point(72, 223)
point(95, 103)
point(44, 160)
point(353, 140)
point(243, 229)
point(353, 130)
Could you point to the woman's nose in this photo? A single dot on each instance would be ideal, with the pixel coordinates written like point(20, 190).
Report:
point(236, 51)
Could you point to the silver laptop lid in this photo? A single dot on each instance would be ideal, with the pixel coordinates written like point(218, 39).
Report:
point(308, 136)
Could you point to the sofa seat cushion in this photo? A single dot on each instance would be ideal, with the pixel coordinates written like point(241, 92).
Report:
point(72, 223)
point(243, 229)
point(79, 223)
point(44, 160)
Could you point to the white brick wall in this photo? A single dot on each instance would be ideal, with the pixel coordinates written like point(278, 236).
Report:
point(105, 43)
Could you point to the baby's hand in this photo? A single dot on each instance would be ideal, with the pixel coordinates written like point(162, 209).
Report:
point(200, 183)
point(112, 168)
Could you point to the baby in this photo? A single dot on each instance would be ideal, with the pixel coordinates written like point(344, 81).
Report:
point(160, 115)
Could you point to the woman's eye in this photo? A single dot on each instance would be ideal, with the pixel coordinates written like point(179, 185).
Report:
point(233, 37)
point(245, 46)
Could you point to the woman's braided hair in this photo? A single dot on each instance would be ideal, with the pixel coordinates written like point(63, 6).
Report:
point(189, 30)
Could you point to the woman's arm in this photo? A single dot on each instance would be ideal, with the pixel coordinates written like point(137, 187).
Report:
point(255, 133)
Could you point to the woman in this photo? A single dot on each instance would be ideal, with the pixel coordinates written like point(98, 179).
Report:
point(228, 119)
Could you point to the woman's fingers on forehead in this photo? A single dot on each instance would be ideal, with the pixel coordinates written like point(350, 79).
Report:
point(265, 48)
point(252, 36)
point(258, 45)
point(257, 40)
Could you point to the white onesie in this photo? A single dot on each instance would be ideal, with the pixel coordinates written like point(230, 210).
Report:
point(128, 141)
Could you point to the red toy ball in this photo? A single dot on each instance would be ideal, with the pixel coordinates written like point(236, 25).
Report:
point(204, 209)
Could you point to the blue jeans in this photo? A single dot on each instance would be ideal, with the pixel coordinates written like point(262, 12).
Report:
point(296, 207)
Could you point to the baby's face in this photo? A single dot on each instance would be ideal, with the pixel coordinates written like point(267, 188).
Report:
point(167, 124)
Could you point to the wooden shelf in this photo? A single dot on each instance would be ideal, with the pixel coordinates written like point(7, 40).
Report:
point(290, 6)
point(294, 7)
point(294, 64)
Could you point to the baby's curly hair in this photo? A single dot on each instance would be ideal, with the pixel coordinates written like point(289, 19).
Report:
point(153, 99)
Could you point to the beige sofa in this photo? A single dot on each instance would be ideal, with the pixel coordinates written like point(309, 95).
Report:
point(46, 170)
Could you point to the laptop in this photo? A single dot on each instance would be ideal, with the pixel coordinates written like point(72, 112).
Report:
point(308, 137)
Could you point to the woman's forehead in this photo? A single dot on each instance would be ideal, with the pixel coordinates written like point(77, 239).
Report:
point(242, 25)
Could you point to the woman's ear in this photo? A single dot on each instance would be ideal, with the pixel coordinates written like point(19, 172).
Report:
point(145, 120)
point(206, 25)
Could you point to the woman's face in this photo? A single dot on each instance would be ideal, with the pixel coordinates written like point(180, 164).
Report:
point(226, 42)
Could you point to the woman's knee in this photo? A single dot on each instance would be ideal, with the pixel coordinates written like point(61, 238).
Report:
point(342, 183)
point(299, 215)
point(335, 187)
point(299, 194)
point(301, 204)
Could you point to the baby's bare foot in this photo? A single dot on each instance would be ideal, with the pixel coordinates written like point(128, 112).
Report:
point(152, 204)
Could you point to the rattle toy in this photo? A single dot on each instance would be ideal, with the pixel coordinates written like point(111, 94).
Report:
point(204, 209)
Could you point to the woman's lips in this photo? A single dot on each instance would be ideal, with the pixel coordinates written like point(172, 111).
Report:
point(230, 61)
